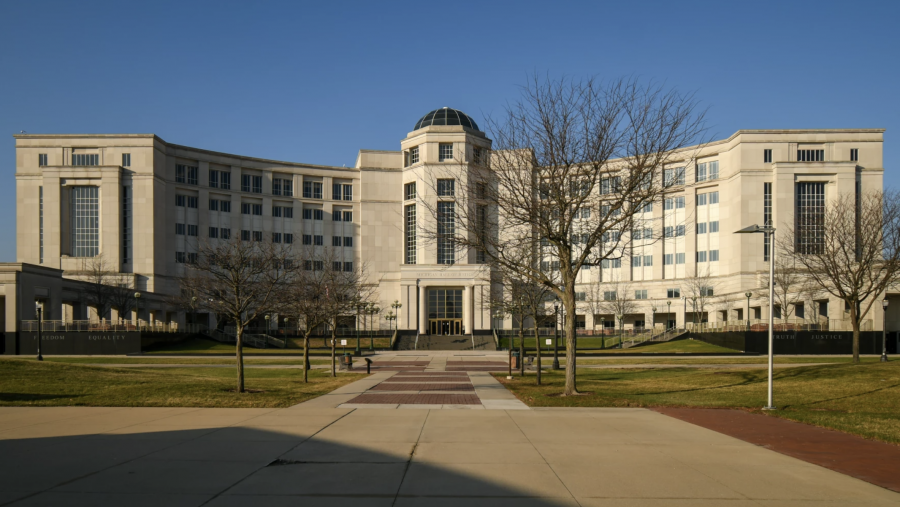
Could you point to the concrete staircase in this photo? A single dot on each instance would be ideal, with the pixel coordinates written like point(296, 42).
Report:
point(437, 342)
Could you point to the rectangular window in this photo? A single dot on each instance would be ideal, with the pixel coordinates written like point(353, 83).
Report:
point(276, 237)
point(581, 296)
point(312, 190)
point(342, 192)
point(224, 233)
point(225, 206)
point(336, 241)
point(193, 201)
point(640, 294)
point(609, 295)
point(288, 238)
point(605, 263)
point(854, 155)
point(679, 230)
point(245, 208)
point(810, 155)
point(257, 209)
point(636, 261)
point(446, 231)
point(446, 188)
point(481, 231)
point(445, 152)
point(673, 293)
point(213, 205)
point(192, 257)
point(648, 233)
point(42, 159)
point(767, 217)
point(213, 232)
point(348, 267)
point(409, 227)
point(414, 155)
point(810, 217)
point(126, 160)
point(648, 260)
point(192, 230)
point(179, 257)
point(186, 174)
point(307, 239)
point(669, 204)
point(245, 183)
point(701, 256)
point(701, 228)
point(679, 202)
point(179, 229)
point(257, 235)
point(409, 191)
point(714, 197)
point(478, 155)
point(713, 255)
point(180, 200)
point(714, 170)
point(668, 231)
point(701, 172)
point(281, 186)
point(85, 226)
point(276, 211)
point(213, 178)
point(85, 159)
point(245, 235)
point(318, 240)
point(701, 199)
point(348, 241)
point(673, 177)
point(336, 265)
point(767, 156)
point(714, 226)
point(679, 258)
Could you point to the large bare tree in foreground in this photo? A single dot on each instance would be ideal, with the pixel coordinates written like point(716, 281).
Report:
point(851, 250)
point(240, 281)
point(574, 166)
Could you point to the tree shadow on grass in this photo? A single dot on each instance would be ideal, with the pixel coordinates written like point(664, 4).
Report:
point(25, 397)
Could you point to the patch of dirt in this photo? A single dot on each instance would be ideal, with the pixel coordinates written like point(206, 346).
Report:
point(562, 395)
point(246, 391)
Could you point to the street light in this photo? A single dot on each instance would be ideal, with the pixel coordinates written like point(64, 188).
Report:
point(668, 313)
point(374, 311)
point(360, 306)
point(684, 312)
point(396, 305)
point(748, 294)
point(602, 333)
point(768, 229)
point(390, 317)
point(267, 331)
point(884, 305)
point(40, 319)
point(694, 309)
point(653, 321)
point(555, 364)
point(194, 310)
point(137, 313)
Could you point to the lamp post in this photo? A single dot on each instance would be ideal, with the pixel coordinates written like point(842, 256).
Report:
point(555, 364)
point(602, 333)
point(684, 312)
point(268, 317)
point(770, 230)
point(396, 305)
point(621, 330)
point(137, 312)
point(40, 319)
point(390, 317)
point(358, 306)
point(884, 305)
point(748, 294)
point(653, 321)
point(694, 309)
point(374, 310)
point(668, 313)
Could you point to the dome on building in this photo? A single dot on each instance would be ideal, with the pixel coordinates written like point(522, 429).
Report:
point(446, 116)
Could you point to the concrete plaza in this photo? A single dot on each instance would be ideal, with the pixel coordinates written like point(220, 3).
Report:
point(315, 454)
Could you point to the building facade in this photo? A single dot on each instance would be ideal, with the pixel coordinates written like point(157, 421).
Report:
point(145, 205)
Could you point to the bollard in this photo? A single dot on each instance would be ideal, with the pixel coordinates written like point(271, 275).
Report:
point(368, 366)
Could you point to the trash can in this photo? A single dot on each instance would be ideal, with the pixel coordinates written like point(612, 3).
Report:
point(514, 360)
point(347, 361)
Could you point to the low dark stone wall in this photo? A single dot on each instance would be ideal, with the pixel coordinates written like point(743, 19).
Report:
point(93, 343)
point(795, 342)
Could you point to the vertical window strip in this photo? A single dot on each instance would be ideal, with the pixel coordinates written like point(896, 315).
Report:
point(767, 217)
point(446, 222)
point(85, 221)
point(410, 225)
point(810, 202)
point(126, 224)
point(41, 221)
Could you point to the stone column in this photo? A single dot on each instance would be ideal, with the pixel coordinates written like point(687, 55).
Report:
point(469, 306)
point(422, 308)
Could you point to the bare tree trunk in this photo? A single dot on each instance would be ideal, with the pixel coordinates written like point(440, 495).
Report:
point(522, 346)
point(537, 341)
point(333, 349)
point(569, 304)
point(239, 354)
point(854, 319)
point(306, 356)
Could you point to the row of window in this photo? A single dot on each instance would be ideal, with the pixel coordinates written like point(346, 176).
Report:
point(85, 159)
point(707, 171)
point(247, 208)
point(678, 258)
point(712, 257)
point(713, 226)
point(318, 240)
point(320, 266)
point(711, 197)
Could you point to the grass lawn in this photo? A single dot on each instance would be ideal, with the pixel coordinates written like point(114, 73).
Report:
point(31, 383)
point(201, 346)
point(289, 360)
point(584, 361)
point(859, 399)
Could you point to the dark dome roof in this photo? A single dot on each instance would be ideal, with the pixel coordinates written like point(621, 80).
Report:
point(446, 116)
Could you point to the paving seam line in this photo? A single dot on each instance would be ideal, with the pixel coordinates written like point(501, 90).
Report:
point(511, 418)
point(242, 479)
point(412, 453)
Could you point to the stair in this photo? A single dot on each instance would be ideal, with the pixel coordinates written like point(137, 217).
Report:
point(438, 342)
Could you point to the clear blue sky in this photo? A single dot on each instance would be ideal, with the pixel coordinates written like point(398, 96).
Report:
point(315, 82)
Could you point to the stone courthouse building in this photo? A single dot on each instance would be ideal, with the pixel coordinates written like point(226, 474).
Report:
point(145, 204)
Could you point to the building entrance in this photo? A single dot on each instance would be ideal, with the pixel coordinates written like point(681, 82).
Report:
point(445, 311)
point(445, 326)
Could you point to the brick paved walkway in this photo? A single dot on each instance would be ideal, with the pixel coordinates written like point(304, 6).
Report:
point(874, 462)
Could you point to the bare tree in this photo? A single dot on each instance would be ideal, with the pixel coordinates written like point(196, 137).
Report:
point(100, 278)
point(122, 295)
point(345, 287)
point(575, 165)
point(851, 249)
point(618, 299)
point(240, 280)
point(310, 301)
point(789, 284)
point(701, 291)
